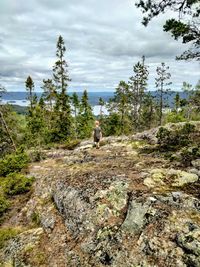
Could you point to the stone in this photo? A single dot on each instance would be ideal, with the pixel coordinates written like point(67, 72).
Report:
point(181, 178)
point(135, 219)
point(196, 163)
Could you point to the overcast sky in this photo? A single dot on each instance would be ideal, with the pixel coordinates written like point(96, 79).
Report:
point(104, 39)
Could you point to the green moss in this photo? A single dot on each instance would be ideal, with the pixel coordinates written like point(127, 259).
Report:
point(138, 144)
point(7, 234)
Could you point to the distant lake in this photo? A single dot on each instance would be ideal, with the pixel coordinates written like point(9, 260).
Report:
point(24, 103)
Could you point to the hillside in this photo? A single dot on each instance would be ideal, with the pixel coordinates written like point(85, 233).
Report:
point(125, 204)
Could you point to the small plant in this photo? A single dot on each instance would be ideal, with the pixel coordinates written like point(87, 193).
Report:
point(71, 144)
point(163, 136)
point(13, 163)
point(35, 218)
point(189, 154)
point(36, 155)
point(6, 234)
point(16, 183)
point(171, 139)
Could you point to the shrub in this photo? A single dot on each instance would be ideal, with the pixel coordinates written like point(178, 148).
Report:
point(36, 155)
point(163, 136)
point(13, 163)
point(16, 183)
point(6, 234)
point(4, 204)
point(174, 117)
point(70, 144)
point(175, 138)
point(189, 154)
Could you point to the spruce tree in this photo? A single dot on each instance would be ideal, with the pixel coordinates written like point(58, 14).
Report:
point(49, 93)
point(76, 106)
point(137, 88)
point(85, 118)
point(30, 92)
point(121, 100)
point(162, 84)
point(63, 123)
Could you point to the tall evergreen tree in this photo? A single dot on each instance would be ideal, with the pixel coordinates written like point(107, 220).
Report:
point(137, 88)
point(85, 118)
point(30, 92)
point(121, 100)
point(177, 102)
point(76, 106)
point(161, 84)
point(148, 116)
point(63, 126)
point(49, 93)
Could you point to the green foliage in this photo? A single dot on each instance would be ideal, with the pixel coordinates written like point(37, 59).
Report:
point(161, 84)
point(189, 154)
point(175, 138)
point(36, 155)
point(13, 163)
point(174, 117)
point(16, 183)
point(185, 26)
point(35, 218)
point(71, 144)
point(112, 124)
point(4, 204)
point(85, 118)
point(7, 234)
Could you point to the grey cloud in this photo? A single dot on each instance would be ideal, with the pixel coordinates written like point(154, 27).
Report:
point(103, 39)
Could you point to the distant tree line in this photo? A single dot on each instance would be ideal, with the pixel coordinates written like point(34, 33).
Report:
point(57, 117)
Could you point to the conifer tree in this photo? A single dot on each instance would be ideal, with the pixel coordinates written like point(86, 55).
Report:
point(148, 116)
point(121, 100)
point(161, 84)
point(85, 118)
point(76, 106)
point(177, 101)
point(49, 93)
point(137, 88)
point(30, 92)
point(62, 107)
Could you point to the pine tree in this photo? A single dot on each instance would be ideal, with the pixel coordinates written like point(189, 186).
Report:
point(148, 116)
point(137, 88)
point(76, 106)
point(85, 118)
point(177, 101)
point(121, 100)
point(63, 125)
point(30, 92)
point(161, 82)
point(49, 93)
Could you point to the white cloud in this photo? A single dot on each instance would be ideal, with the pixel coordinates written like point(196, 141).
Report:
point(104, 39)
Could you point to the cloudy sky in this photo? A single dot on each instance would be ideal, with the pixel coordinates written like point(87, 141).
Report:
point(104, 39)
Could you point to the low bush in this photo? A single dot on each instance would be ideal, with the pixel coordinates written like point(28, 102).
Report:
point(71, 144)
point(16, 183)
point(36, 155)
point(171, 139)
point(189, 154)
point(13, 163)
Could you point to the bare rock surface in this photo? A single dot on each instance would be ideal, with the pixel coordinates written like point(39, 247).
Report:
point(107, 207)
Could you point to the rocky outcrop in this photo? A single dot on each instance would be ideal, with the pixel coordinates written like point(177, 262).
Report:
point(108, 207)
